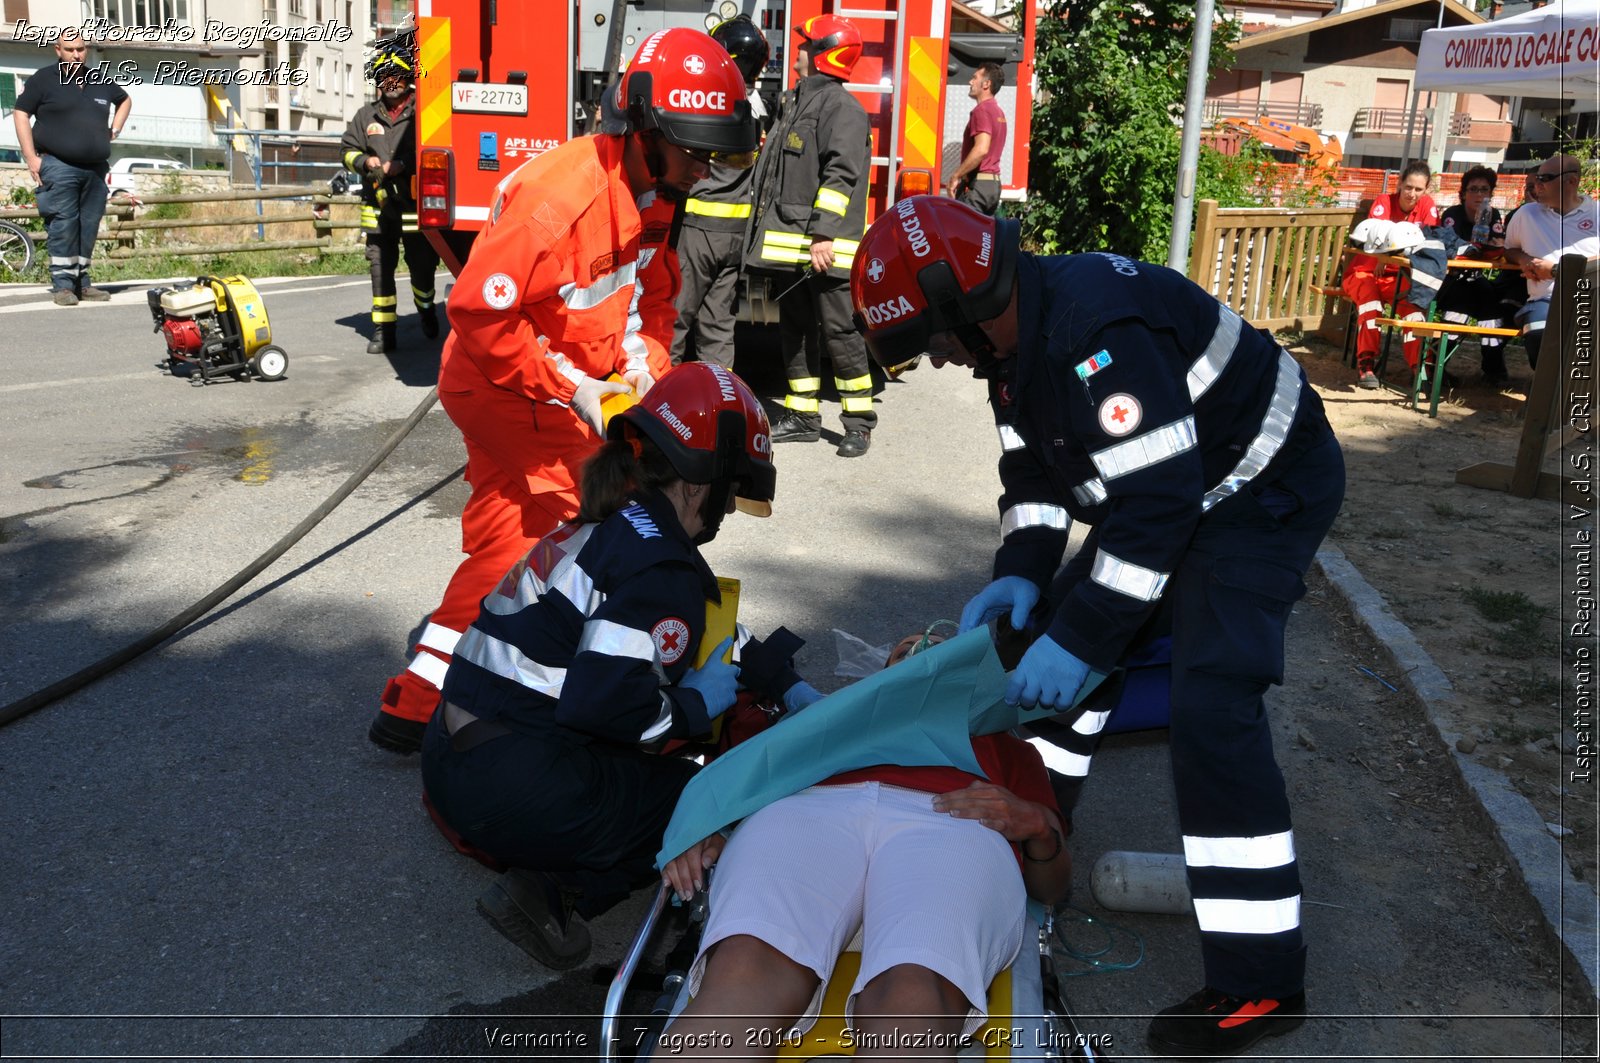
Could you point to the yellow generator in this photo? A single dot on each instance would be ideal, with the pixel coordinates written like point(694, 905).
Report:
point(217, 327)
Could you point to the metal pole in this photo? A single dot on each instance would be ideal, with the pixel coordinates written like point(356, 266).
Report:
point(1189, 153)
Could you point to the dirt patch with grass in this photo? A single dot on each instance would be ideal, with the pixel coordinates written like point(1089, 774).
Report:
point(1476, 575)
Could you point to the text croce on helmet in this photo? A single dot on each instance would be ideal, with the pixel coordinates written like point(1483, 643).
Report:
point(745, 44)
point(682, 84)
point(713, 430)
point(928, 265)
point(835, 44)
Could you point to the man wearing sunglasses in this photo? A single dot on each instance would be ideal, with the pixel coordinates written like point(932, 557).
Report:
point(1564, 221)
point(568, 289)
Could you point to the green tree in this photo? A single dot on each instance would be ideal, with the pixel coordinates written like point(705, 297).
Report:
point(1107, 123)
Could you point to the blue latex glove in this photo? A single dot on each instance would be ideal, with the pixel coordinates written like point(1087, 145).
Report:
point(800, 695)
point(1008, 592)
point(716, 681)
point(1047, 676)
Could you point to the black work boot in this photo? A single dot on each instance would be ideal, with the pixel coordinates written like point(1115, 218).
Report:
point(429, 319)
point(396, 733)
point(855, 443)
point(536, 914)
point(382, 341)
point(1213, 1025)
point(795, 427)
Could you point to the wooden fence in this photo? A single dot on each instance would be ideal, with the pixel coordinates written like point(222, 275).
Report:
point(333, 222)
point(1265, 263)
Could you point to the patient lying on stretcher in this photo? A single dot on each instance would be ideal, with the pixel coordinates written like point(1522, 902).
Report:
point(931, 864)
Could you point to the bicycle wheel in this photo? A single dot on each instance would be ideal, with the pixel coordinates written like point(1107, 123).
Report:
point(16, 250)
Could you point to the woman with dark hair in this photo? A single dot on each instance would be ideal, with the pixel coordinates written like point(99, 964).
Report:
point(1371, 286)
point(1484, 296)
point(580, 664)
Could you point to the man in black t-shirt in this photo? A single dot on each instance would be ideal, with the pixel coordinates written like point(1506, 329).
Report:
point(66, 118)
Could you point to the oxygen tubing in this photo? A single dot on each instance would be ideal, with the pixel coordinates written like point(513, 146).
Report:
point(108, 664)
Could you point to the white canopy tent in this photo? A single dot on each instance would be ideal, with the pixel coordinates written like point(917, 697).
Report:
point(1551, 52)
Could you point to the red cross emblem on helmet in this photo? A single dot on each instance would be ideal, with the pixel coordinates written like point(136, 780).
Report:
point(928, 265)
point(682, 84)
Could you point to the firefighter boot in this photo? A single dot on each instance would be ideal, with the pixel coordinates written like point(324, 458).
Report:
point(382, 341)
point(794, 427)
point(429, 320)
point(536, 914)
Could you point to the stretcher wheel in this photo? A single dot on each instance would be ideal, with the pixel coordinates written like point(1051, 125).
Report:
point(270, 362)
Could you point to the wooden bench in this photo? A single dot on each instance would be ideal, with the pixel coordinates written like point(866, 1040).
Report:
point(1443, 331)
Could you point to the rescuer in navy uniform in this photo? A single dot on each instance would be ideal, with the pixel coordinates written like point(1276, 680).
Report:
point(1130, 399)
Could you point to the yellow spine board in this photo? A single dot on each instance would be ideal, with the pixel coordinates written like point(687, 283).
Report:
point(720, 621)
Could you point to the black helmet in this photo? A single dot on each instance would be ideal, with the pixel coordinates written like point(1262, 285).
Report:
point(745, 44)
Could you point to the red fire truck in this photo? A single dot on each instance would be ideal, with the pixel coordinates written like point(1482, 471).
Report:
point(500, 82)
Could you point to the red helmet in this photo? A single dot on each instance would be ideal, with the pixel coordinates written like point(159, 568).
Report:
point(682, 83)
point(928, 265)
point(835, 44)
point(713, 430)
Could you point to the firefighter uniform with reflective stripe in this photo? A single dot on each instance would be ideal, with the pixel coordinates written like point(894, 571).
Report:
point(710, 253)
point(388, 211)
point(811, 183)
point(572, 278)
point(1202, 458)
point(576, 655)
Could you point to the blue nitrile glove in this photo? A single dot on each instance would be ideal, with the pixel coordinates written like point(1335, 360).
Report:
point(1008, 592)
point(716, 681)
point(1047, 676)
point(800, 695)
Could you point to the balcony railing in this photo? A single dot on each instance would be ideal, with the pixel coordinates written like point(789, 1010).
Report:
point(1393, 121)
point(168, 131)
point(1306, 114)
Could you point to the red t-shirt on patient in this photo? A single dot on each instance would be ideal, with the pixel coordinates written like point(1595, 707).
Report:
point(1009, 762)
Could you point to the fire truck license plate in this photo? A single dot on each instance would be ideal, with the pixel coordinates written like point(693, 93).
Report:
point(471, 97)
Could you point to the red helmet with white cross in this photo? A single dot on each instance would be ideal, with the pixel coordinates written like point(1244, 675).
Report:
point(714, 431)
point(834, 42)
point(682, 84)
point(929, 265)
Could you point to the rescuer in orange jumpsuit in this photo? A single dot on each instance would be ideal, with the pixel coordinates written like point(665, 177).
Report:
point(572, 281)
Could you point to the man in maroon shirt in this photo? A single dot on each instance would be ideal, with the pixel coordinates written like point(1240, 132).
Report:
point(976, 181)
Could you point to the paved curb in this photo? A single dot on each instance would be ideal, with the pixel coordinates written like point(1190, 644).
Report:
point(1569, 905)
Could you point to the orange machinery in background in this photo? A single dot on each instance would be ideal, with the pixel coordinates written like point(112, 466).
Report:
point(500, 83)
point(1302, 142)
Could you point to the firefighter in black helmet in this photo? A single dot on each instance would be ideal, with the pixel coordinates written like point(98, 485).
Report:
point(380, 145)
point(710, 246)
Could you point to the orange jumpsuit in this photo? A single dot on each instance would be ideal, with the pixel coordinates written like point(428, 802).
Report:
point(1371, 287)
point(572, 277)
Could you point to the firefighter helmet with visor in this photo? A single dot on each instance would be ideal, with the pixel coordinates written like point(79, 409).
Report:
point(682, 84)
point(930, 265)
point(745, 44)
point(713, 431)
point(834, 43)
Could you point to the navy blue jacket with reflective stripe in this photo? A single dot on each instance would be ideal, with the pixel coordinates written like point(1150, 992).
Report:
point(589, 634)
point(1135, 404)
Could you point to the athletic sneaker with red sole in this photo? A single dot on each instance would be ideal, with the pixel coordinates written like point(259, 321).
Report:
point(1214, 1025)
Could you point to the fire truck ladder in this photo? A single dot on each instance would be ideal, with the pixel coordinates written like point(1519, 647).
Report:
point(891, 161)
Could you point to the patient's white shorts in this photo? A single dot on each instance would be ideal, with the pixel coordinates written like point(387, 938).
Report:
point(806, 872)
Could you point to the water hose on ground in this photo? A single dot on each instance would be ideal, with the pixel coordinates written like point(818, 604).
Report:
point(110, 663)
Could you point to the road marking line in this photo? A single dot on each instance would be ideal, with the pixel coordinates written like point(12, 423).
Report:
point(7, 389)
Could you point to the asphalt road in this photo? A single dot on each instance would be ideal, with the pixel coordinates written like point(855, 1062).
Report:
point(206, 858)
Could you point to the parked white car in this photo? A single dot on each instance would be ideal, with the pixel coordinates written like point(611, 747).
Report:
point(120, 179)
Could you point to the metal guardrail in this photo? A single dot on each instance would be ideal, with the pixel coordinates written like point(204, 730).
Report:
point(122, 225)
